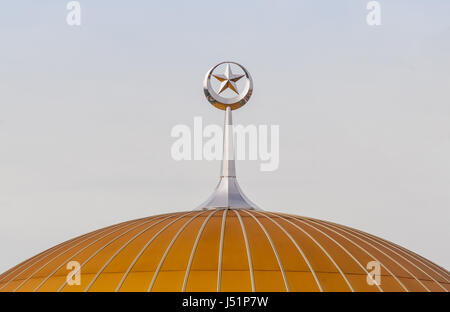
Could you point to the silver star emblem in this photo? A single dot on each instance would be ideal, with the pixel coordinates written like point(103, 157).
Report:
point(228, 80)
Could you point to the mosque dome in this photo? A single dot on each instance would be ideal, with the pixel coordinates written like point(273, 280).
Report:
point(226, 250)
point(227, 244)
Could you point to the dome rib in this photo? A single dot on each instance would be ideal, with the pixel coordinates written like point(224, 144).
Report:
point(168, 249)
point(158, 220)
point(28, 264)
point(117, 228)
point(388, 256)
point(341, 247)
point(133, 226)
point(409, 254)
point(397, 277)
point(406, 252)
point(24, 265)
point(388, 248)
point(247, 248)
point(142, 251)
point(273, 248)
point(412, 265)
point(319, 285)
point(34, 258)
point(417, 257)
point(325, 252)
point(194, 247)
point(222, 234)
point(307, 222)
point(96, 252)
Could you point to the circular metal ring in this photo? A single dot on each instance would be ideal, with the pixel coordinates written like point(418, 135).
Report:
point(221, 102)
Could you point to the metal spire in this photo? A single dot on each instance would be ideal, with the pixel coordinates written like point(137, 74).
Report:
point(228, 194)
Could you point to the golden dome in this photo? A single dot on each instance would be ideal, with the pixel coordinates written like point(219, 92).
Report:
point(227, 245)
point(226, 250)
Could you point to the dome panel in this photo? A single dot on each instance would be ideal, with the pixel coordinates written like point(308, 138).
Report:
point(236, 260)
point(202, 273)
point(267, 272)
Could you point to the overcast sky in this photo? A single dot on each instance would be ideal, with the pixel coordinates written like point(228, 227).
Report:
point(86, 114)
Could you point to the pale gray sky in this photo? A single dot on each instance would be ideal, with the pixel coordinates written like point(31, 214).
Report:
point(86, 114)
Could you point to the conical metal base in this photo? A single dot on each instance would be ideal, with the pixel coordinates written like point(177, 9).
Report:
point(228, 194)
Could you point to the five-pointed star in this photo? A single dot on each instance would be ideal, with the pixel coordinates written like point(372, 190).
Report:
point(228, 80)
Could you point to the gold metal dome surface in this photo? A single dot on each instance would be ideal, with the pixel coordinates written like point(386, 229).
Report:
point(226, 250)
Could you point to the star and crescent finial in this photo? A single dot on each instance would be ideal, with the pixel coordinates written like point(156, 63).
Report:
point(228, 80)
